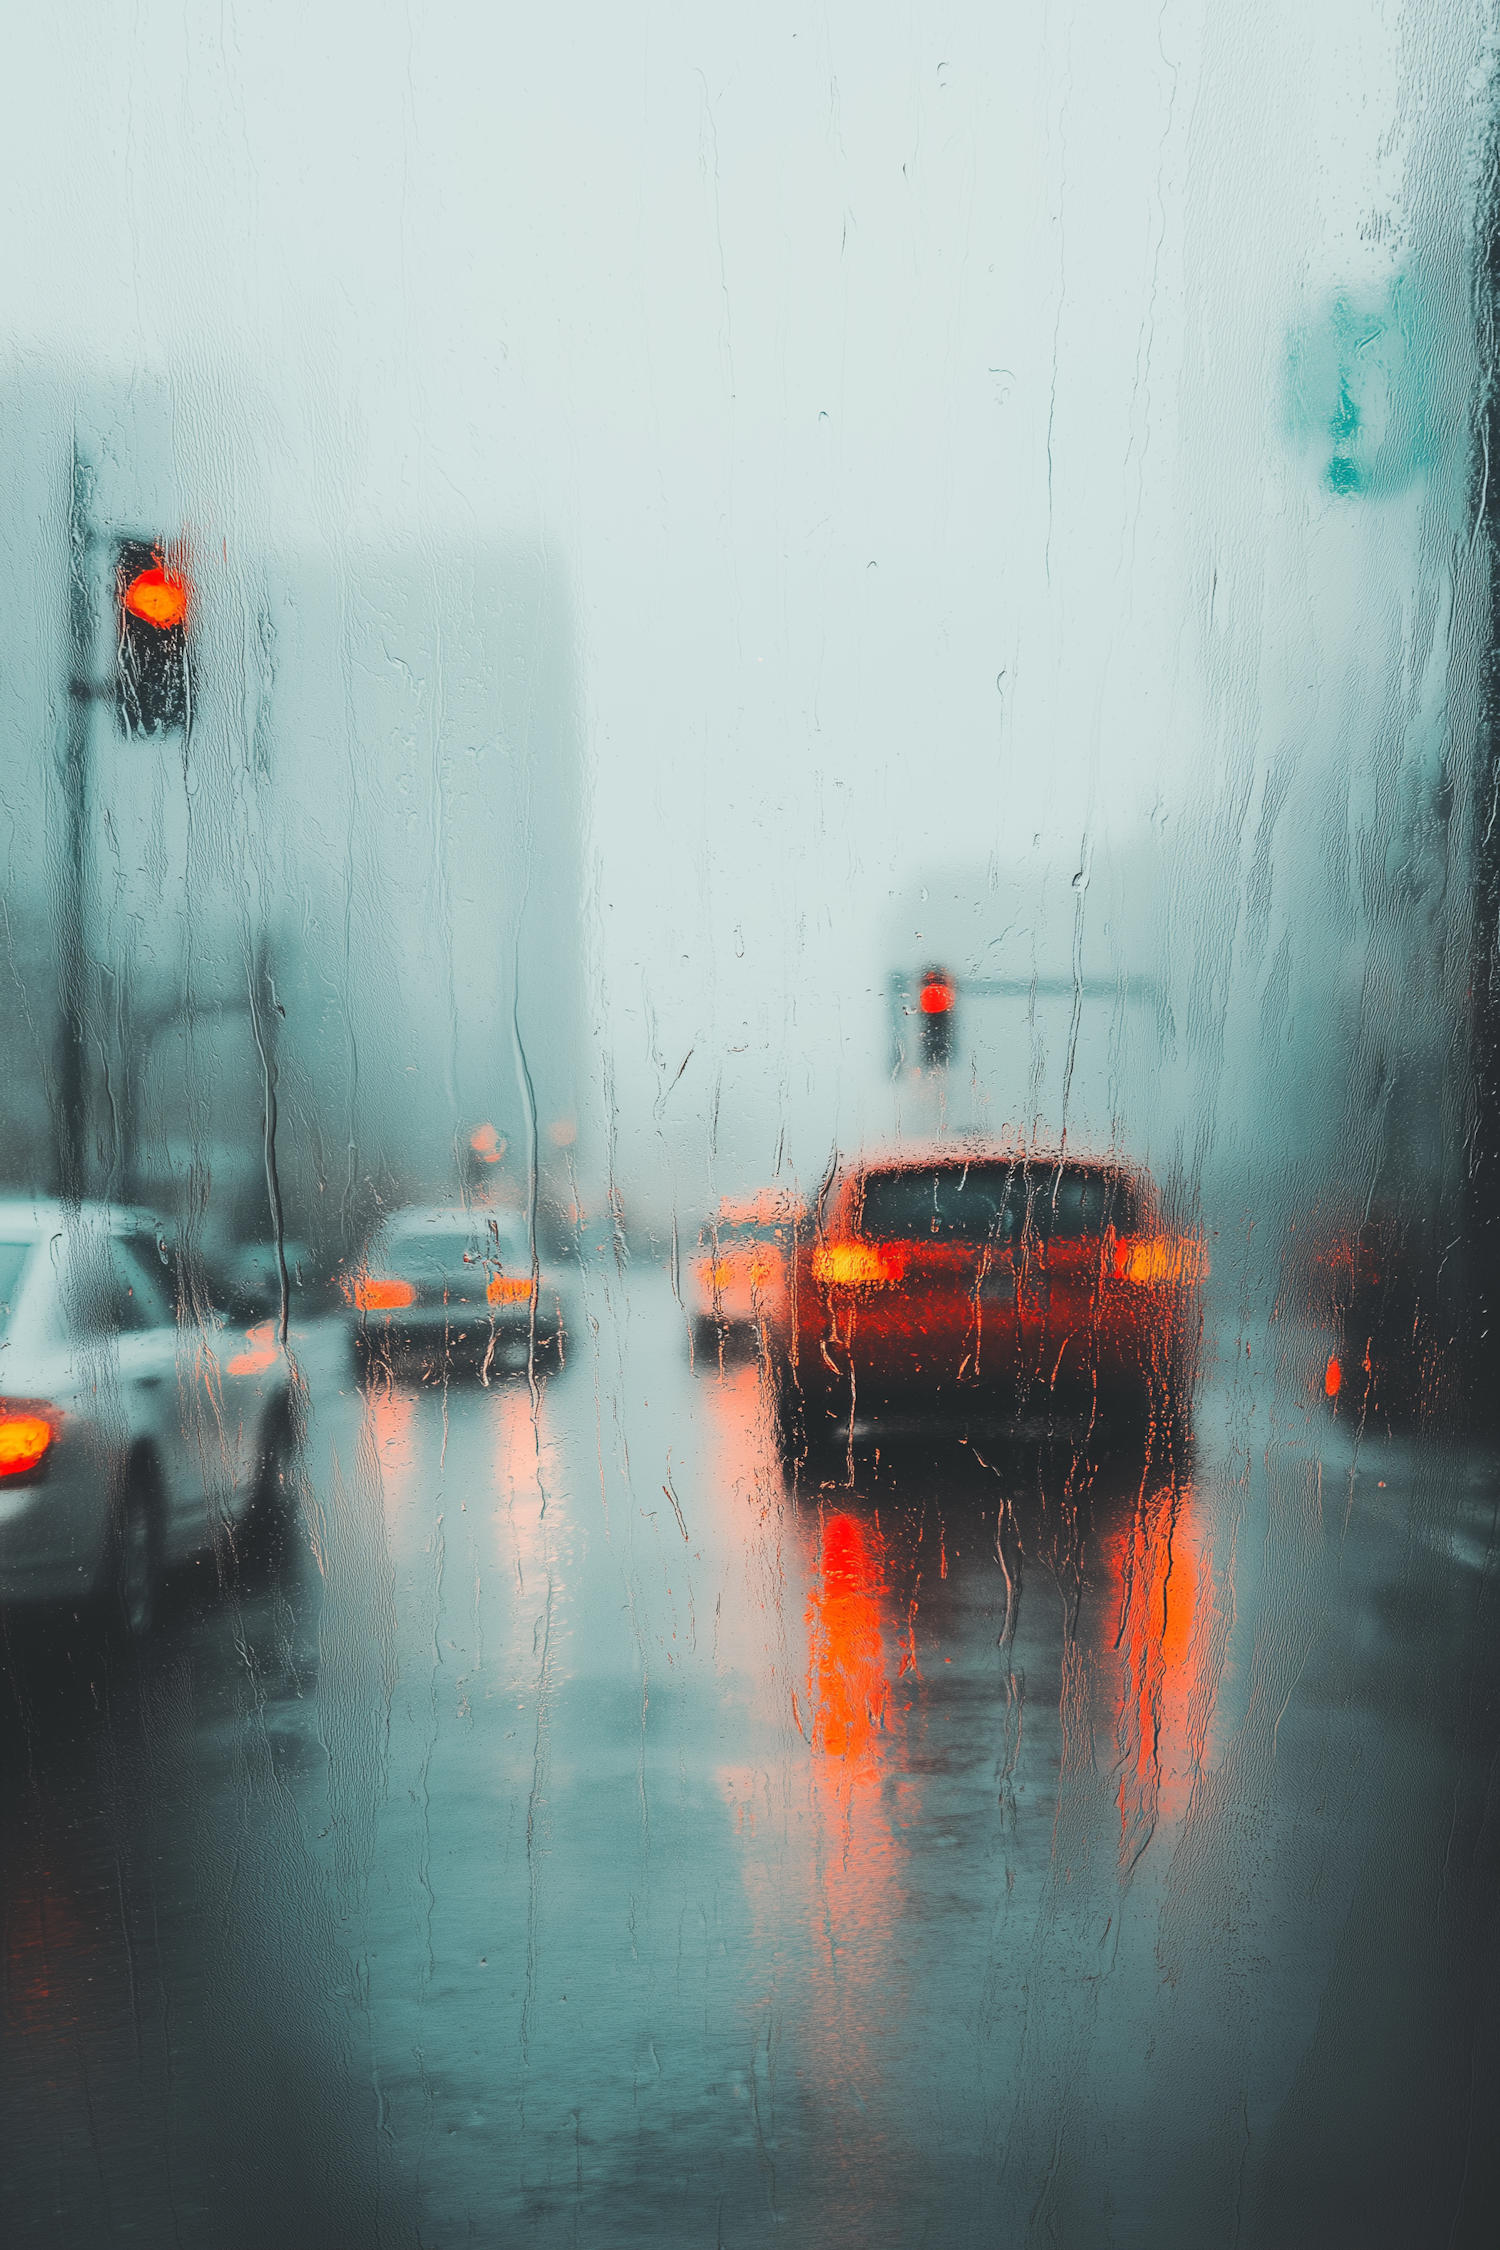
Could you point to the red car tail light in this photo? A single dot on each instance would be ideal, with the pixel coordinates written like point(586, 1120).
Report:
point(1160, 1258)
point(24, 1439)
point(371, 1295)
point(259, 1352)
point(507, 1289)
point(858, 1265)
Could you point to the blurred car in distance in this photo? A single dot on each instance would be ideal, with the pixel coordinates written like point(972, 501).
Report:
point(1376, 1284)
point(442, 1288)
point(742, 1267)
point(1024, 1285)
point(128, 1440)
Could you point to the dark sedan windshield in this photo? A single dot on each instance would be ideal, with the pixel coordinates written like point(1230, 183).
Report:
point(989, 1202)
point(455, 1255)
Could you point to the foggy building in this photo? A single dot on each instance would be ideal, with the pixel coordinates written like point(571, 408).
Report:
point(353, 873)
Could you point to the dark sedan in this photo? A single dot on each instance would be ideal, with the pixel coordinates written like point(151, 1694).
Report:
point(444, 1287)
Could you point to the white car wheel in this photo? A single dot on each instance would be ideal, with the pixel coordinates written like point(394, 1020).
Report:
point(271, 1501)
point(136, 1556)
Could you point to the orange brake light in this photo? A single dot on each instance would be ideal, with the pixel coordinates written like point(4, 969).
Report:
point(1333, 1379)
point(857, 1265)
point(383, 1296)
point(24, 1438)
point(1160, 1258)
point(507, 1289)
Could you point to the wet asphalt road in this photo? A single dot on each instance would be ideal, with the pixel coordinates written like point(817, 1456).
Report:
point(580, 1836)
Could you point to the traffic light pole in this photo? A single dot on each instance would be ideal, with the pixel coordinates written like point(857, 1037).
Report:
point(70, 1069)
point(149, 690)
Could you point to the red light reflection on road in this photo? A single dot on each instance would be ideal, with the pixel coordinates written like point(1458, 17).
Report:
point(1164, 1694)
point(846, 1674)
point(48, 1940)
point(851, 1890)
point(392, 1413)
point(809, 1639)
point(523, 1463)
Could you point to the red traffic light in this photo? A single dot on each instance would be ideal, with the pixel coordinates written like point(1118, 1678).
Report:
point(937, 1004)
point(152, 680)
point(158, 597)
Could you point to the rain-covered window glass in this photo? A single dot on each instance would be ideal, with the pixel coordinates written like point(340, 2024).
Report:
point(750, 1128)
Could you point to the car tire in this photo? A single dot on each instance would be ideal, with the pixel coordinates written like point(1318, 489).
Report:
point(548, 1358)
point(132, 1581)
point(372, 1360)
point(271, 1497)
point(1149, 1414)
point(805, 1416)
point(784, 1401)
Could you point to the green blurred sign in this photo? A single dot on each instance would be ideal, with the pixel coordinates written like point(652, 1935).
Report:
point(1358, 390)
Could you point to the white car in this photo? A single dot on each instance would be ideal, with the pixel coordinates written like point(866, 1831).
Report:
point(129, 1439)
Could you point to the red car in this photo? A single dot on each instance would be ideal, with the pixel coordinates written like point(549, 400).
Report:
point(1024, 1284)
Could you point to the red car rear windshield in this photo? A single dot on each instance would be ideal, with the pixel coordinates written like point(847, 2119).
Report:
point(993, 1203)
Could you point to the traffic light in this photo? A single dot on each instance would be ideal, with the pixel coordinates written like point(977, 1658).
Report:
point(936, 1004)
point(152, 688)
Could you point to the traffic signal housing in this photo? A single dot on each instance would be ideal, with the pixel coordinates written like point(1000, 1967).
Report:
point(937, 1001)
point(152, 687)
